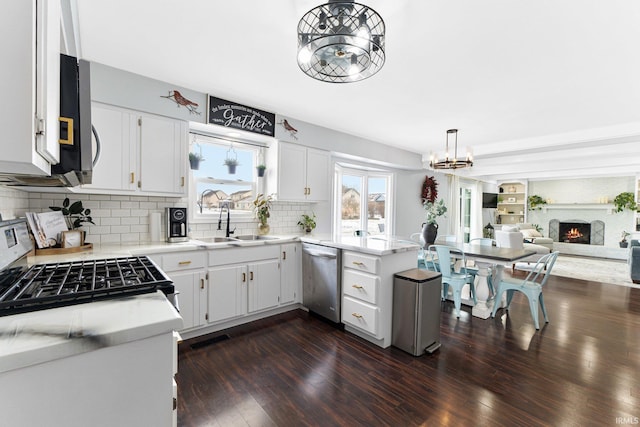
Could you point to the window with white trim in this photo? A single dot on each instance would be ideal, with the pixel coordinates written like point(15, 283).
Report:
point(215, 184)
point(363, 202)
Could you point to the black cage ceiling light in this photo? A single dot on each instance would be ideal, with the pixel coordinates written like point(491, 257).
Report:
point(341, 42)
point(451, 162)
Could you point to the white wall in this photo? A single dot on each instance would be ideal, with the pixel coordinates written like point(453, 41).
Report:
point(409, 212)
point(588, 192)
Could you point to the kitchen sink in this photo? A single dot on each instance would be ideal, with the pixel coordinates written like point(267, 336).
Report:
point(254, 237)
point(216, 239)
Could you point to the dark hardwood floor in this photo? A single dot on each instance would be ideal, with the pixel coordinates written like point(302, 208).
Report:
point(582, 368)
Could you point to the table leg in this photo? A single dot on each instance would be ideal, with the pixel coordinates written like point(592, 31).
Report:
point(485, 300)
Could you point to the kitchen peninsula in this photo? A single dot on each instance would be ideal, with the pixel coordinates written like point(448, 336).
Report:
point(368, 266)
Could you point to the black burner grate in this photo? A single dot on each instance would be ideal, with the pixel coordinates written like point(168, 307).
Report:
point(53, 285)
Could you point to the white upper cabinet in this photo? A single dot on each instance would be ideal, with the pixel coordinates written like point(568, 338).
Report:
point(30, 85)
point(139, 152)
point(298, 173)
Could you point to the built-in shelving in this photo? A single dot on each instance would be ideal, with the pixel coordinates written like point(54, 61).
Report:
point(512, 203)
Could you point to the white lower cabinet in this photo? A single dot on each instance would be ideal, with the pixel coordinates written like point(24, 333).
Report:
point(291, 273)
point(227, 292)
point(367, 292)
point(243, 281)
point(222, 287)
point(187, 271)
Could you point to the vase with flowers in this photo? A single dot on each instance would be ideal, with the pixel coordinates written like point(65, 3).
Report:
point(433, 210)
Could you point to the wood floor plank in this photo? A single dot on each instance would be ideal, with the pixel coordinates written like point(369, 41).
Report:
point(582, 368)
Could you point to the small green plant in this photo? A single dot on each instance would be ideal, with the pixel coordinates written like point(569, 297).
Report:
point(74, 213)
point(196, 157)
point(308, 222)
point(537, 228)
point(624, 201)
point(536, 202)
point(434, 210)
point(261, 167)
point(231, 162)
point(261, 206)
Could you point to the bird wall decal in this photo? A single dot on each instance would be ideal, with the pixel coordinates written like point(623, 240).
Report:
point(292, 131)
point(177, 97)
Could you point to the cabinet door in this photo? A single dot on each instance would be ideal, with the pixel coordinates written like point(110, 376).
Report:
point(227, 292)
point(116, 166)
point(318, 175)
point(291, 273)
point(264, 285)
point(162, 154)
point(30, 86)
point(189, 284)
point(291, 172)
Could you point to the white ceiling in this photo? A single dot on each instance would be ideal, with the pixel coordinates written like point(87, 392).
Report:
point(538, 89)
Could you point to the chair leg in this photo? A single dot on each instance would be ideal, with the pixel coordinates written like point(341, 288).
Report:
point(533, 305)
point(509, 297)
point(496, 303)
point(544, 309)
point(445, 291)
point(457, 301)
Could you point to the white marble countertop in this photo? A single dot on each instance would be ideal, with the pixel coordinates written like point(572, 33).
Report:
point(373, 245)
point(40, 336)
point(150, 248)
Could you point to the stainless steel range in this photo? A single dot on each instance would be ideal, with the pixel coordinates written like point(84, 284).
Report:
point(43, 286)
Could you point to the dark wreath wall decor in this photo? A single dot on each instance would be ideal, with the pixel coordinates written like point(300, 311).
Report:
point(429, 189)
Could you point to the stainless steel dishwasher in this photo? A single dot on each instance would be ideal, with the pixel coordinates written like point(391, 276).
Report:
point(321, 280)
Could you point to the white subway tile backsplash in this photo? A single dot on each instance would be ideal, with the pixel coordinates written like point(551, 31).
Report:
point(126, 218)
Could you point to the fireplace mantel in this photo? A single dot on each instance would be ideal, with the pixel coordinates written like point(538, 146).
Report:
point(581, 206)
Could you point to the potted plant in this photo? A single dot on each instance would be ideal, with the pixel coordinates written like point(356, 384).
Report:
point(260, 168)
point(536, 202)
point(261, 206)
point(194, 160)
point(625, 200)
point(231, 164)
point(308, 222)
point(624, 243)
point(430, 228)
point(74, 213)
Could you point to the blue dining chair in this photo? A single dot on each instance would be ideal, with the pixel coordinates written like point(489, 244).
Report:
point(531, 286)
point(451, 278)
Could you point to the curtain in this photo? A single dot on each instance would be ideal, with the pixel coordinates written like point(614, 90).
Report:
point(476, 211)
point(453, 207)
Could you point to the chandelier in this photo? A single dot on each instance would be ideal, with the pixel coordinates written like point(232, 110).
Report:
point(341, 42)
point(451, 163)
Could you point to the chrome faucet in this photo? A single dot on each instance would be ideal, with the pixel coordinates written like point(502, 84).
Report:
point(228, 231)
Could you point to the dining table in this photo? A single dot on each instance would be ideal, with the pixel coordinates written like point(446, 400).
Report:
point(488, 258)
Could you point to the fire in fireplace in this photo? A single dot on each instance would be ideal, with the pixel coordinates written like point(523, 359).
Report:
point(575, 232)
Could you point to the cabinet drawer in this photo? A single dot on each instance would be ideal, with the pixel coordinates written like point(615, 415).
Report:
point(184, 261)
point(360, 314)
point(361, 285)
point(368, 263)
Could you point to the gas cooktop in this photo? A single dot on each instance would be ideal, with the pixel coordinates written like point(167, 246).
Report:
point(43, 286)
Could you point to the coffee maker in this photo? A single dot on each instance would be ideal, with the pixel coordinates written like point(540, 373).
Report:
point(177, 225)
